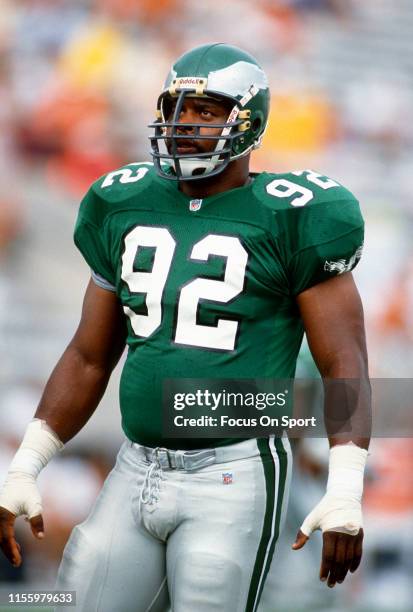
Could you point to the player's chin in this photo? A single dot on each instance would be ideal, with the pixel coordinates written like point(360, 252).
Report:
point(187, 151)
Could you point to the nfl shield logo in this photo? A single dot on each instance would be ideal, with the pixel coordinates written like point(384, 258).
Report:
point(195, 205)
point(227, 478)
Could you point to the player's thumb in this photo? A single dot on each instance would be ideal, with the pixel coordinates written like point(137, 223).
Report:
point(36, 523)
point(300, 540)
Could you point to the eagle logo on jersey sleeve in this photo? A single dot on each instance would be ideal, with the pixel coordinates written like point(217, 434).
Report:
point(341, 265)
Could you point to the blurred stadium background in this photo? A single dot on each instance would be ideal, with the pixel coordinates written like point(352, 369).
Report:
point(78, 85)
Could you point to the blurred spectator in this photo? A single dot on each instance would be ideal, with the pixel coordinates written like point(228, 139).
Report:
point(300, 121)
point(11, 224)
point(385, 119)
point(336, 7)
point(388, 512)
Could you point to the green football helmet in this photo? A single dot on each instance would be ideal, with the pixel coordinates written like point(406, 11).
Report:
point(224, 73)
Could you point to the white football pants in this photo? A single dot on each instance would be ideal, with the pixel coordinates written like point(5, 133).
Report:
point(197, 540)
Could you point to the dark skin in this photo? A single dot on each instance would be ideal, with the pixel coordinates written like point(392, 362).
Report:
point(333, 319)
point(207, 111)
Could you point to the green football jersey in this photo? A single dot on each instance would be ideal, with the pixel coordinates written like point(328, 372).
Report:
point(208, 286)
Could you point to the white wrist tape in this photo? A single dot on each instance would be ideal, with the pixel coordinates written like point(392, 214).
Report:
point(37, 448)
point(19, 493)
point(346, 470)
point(340, 508)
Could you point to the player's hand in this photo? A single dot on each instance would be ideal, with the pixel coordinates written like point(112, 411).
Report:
point(341, 554)
point(340, 519)
point(19, 496)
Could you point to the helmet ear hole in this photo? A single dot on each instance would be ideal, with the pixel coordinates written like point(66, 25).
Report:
point(256, 125)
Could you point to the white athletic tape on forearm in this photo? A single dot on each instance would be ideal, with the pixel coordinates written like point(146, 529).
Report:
point(346, 470)
point(19, 493)
point(340, 508)
point(37, 448)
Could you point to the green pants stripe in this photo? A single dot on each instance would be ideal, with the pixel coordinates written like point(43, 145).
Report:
point(274, 460)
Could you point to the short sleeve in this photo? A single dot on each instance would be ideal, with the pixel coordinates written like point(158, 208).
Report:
point(327, 240)
point(89, 237)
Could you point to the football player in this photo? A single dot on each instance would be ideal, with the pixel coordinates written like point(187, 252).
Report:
point(204, 270)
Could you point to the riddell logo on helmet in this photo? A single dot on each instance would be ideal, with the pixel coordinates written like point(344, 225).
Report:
point(185, 81)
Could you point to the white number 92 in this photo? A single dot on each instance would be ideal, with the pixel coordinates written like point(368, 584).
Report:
point(283, 188)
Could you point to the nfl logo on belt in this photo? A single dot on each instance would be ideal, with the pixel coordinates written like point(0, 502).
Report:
point(195, 205)
point(227, 478)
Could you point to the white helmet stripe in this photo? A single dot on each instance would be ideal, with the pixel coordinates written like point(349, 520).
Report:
point(235, 80)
